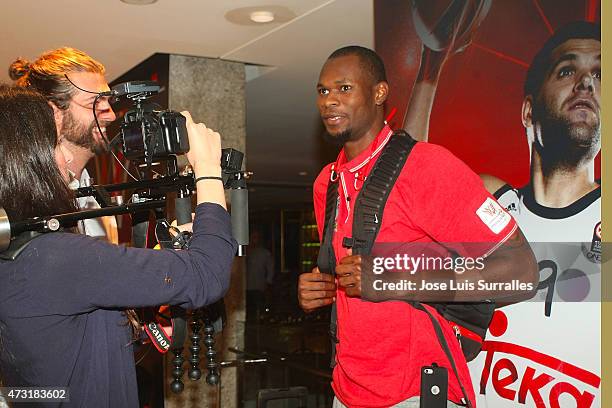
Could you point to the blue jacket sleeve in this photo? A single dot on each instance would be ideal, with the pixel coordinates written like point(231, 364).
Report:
point(68, 273)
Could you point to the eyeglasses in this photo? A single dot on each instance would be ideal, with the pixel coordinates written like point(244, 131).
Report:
point(91, 106)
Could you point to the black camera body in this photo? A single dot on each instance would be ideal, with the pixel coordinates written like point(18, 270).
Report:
point(149, 134)
point(153, 134)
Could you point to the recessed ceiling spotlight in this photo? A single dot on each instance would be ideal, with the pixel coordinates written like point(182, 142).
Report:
point(303, 173)
point(139, 2)
point(261, 16)
point(258, 15)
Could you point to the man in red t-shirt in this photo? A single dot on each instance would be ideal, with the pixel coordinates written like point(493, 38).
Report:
point(436, 198)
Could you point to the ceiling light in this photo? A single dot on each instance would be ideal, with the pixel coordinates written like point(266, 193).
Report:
point(258, 15)
point(139, 2)
point(261, 16)
point(303, 173)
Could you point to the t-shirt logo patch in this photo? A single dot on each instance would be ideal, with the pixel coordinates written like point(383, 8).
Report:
point(493, 216)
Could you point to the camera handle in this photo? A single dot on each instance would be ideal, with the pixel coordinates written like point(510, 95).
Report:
point(182, 205)
point(239, 195)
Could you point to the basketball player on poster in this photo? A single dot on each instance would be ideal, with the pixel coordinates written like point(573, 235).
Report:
point(545, 352)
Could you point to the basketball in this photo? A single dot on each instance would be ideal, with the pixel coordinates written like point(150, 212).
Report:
point(440, 23)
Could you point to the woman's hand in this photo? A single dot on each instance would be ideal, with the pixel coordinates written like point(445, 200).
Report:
point(204, 148)
point(205, 158)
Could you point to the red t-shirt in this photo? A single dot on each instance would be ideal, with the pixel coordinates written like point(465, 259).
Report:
point(382, 346)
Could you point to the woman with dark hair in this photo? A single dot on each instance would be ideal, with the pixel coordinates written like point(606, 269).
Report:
point(62, 298)
point(33, 167)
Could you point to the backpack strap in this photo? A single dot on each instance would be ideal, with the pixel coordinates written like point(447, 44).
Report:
point(444, 345)
point(326, 260)
point(368, 208)
point(370, 204)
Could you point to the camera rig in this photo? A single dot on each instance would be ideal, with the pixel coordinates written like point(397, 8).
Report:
point(152, 137)
point(152, 195)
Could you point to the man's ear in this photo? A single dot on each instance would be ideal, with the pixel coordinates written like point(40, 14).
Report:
point(381, 91)
point(527, 111)
point(58, 115)
point(532, 129)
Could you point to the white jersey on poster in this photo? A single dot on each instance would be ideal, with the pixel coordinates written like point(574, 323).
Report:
point(546, 352)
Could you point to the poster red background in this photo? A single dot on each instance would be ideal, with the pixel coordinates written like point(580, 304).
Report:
point(476, 113)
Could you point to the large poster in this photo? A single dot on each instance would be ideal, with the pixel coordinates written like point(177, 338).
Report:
point(457, 70)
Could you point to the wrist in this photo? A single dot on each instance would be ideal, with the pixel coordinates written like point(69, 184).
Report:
point(203, 170)
point(207, 178)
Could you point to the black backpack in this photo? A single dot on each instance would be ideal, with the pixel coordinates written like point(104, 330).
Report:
point(470, 320)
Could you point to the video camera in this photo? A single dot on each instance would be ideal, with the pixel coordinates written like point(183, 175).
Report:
point(149, 134)
point(146, 133)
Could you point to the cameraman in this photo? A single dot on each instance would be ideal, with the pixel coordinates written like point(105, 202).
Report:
point(57, 75)
point(61, 299)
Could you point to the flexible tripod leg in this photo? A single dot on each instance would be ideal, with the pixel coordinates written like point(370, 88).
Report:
point(213, 376)
point(194, 372)
point(177, 385)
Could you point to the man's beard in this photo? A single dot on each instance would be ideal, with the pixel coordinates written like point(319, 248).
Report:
point(81, 134)
point(339, 139)
point(565, 144)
